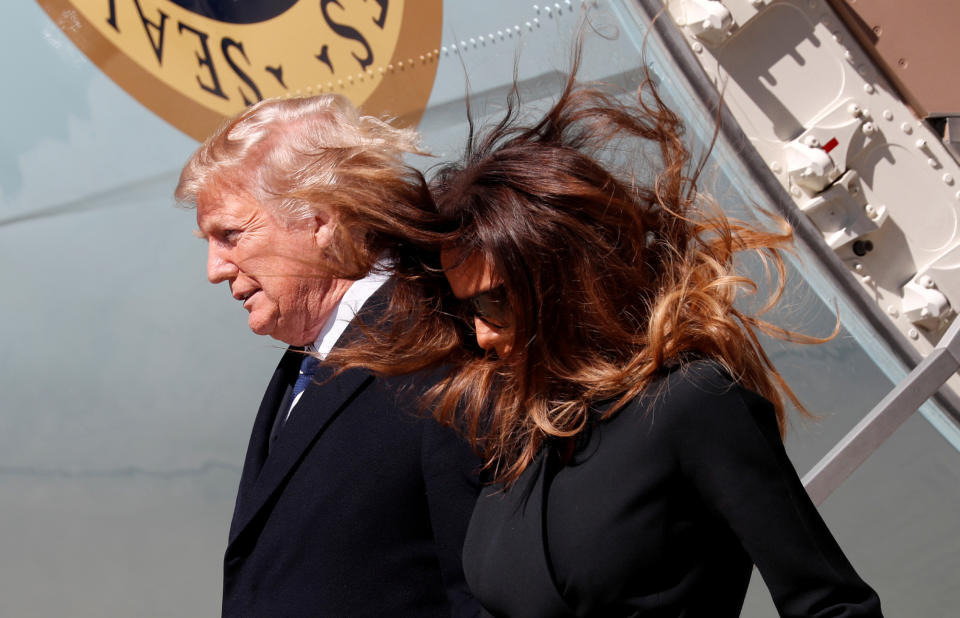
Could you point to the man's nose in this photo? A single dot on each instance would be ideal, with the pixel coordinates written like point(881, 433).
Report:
point(218, 267)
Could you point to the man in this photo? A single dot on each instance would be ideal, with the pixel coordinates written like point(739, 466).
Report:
point(351, 503)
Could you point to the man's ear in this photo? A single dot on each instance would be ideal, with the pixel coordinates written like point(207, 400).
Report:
point(324, 227)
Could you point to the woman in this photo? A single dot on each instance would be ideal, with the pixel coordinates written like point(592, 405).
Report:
point(601, 358)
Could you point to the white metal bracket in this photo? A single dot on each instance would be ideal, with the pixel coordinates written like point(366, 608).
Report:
point(842, 214)
point(708, 20)
point(809, 168)
point(922, 303)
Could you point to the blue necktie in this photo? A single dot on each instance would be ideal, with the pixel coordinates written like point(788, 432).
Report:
point(308, 367)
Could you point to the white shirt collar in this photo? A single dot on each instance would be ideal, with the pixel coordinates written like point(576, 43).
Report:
point(357, 294)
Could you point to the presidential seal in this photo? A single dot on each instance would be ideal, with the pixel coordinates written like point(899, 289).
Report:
point(196, 62)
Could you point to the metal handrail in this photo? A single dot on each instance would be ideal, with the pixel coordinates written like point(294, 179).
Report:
point(886, 417)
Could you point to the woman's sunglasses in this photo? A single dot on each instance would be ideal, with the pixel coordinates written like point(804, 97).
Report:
point(491, 306)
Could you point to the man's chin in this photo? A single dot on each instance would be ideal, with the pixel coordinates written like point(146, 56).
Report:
point(260, 327)
point(270, 330)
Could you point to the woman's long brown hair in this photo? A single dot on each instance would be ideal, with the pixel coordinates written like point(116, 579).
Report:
point(613, 275)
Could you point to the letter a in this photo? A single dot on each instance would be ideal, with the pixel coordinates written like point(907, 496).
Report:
point(151, 27)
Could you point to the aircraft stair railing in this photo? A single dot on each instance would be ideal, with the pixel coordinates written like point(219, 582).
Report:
point(884, 419)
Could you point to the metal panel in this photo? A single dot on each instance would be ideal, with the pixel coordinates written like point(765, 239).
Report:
point(913, 42)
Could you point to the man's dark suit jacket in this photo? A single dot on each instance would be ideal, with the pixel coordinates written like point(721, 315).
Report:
point(358, 508)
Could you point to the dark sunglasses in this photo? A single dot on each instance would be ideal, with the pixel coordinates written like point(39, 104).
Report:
point(491, 306)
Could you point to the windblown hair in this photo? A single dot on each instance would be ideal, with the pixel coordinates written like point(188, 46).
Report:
point(611, 279)
point(318, 155)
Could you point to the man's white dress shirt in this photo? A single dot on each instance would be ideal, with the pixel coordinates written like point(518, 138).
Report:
point(357, 294)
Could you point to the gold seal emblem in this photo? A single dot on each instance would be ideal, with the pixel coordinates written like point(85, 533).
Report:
point(196, 62)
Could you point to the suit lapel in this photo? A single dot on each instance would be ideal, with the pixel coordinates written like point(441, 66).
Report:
point(257, 450)
point(543, 585)
point(506, 559)
point(321, 402)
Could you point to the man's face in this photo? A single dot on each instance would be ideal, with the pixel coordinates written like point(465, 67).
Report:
point(272, 266)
